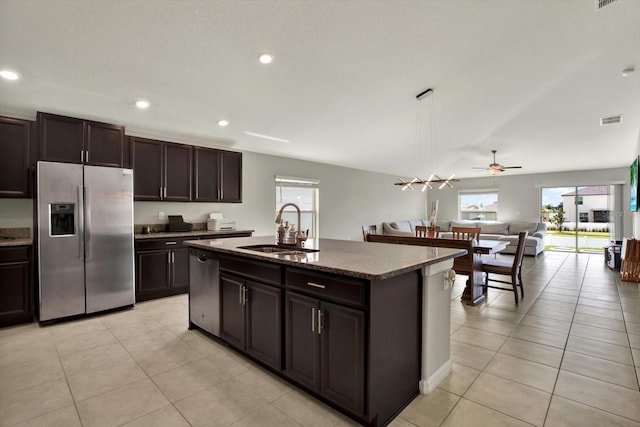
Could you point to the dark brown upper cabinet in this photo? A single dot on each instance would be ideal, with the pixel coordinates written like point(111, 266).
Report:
point(231, 177)
point(14, 161)
point(177, 172)
point(162, 170)
point(217, 175)
point(71, 140)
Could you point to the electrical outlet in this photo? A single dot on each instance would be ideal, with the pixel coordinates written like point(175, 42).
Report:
point(161, 216)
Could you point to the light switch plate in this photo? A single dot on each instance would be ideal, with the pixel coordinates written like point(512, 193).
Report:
point(161, 216)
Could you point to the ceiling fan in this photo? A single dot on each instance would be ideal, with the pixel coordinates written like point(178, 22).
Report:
point(496, 168)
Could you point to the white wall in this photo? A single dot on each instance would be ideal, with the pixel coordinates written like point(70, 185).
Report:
point(519, 195)
point(635, 215)
point(16, 213)
point(349, 198)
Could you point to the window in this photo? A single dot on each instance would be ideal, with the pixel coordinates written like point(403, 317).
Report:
point(600, 216)
point(305, 194)
point(478, 205)
point(584, 216)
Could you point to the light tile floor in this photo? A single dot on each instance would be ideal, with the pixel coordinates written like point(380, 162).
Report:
point(568, 355)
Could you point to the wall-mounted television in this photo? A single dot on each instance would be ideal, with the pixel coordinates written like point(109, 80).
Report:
point(633, 185)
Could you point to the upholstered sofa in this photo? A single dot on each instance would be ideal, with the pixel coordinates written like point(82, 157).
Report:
point(489, 230)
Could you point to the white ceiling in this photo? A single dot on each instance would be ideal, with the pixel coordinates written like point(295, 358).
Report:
point(530, 78)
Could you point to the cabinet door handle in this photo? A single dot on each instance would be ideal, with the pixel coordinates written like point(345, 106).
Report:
point(319, 322)
point(240, 295)
point(169, 257)
point(86, 155)
point(165, 192)
point(173, 257)
point(245, 298)
point(160, 192)
point(315, 285)
point(81, 156)
point(171, 243)
point(313, 319)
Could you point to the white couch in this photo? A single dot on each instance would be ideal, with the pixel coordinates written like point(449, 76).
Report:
point(489, 230)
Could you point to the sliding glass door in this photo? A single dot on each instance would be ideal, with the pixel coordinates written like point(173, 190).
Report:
point(578, 218)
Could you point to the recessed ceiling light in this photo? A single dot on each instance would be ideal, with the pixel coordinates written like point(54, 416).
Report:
point(271, 138)
point(265, 58)
point(142, 104)
point(223, 123)
point(628, 71)
point(9, 75)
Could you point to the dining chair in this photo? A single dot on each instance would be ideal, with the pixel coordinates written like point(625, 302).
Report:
point(368, 229)
point(507, 268)
point(421, 231)
point(466, 233)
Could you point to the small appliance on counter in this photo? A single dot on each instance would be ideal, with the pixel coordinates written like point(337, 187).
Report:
point(176, 223)
point(216, 222)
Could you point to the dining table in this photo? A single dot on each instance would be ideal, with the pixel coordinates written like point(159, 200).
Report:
point(490, 247)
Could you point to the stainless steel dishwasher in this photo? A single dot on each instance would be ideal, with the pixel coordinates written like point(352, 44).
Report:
point(204, 290)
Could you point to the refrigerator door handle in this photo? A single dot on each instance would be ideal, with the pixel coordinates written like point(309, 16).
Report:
point(87, 221)
point(80, 214)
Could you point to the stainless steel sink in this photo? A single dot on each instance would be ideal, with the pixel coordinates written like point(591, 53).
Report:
point(276, 249)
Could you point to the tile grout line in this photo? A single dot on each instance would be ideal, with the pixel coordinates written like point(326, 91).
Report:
point(564, 350)
point(492, 357)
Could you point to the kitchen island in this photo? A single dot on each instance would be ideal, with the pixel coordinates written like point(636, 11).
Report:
point(362, 326)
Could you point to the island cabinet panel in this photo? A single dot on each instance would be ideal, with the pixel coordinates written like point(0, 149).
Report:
point(232, 310)
point(325, 349)
point(342, 356)
point(16, 297)
point(72, 140)
point(264, 324)
point(328, 315)
point(162, 268)
point(250, 318)
point(15, 137)
point(302, 342)
point(355, 343)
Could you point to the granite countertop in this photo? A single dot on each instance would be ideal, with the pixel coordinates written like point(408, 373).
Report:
point(15, 237)
point(15, 242)
point(171, 234)
point(373, 261)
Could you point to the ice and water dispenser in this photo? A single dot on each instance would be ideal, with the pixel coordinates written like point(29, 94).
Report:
point(62, 219)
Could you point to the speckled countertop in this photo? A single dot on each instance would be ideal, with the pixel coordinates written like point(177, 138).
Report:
point(15, 237)
point(172, 234)
point(15, 242)
point(373, 261)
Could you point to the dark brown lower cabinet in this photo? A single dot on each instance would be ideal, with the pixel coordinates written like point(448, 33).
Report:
point(250, 318)
point(325, 349)
point(354, 343)
point(16, 296)
point(162, 268)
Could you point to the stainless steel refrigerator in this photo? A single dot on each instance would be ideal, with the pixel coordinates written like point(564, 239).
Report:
point(84, 239)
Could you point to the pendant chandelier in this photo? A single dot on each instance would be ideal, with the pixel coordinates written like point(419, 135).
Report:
point(433, 178)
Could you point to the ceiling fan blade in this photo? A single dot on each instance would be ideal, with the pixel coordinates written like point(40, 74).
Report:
point(480, 168)
point(511, 167)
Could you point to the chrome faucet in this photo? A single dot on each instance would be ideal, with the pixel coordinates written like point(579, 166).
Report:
point(284, 236)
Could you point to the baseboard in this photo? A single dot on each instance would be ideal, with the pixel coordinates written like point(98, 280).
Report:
point(430, 384)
